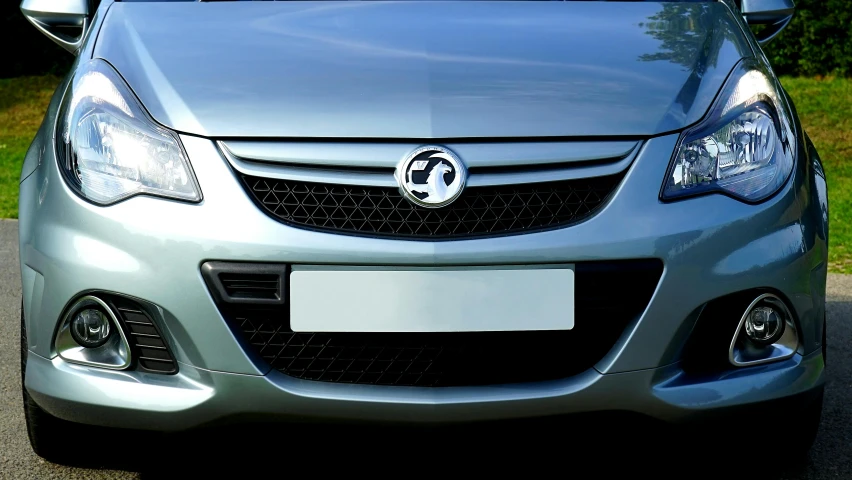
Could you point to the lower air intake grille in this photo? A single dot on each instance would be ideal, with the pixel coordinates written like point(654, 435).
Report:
point(383, 211)
point(608, 297)
point(149, 351)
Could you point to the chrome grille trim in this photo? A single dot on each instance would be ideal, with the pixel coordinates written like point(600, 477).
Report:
point(388, 155)
point(549, 174)
point(372, 165)
point(381, 178)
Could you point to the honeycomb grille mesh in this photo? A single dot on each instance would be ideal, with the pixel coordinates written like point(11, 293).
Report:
point(422, 359)
point(383, 211)
point(459, 359)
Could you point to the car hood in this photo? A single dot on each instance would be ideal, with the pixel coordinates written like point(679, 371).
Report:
point(464, 69)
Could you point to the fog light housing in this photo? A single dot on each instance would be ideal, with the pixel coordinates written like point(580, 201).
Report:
point(90, 334)
point(90, 327)
point(766, 333)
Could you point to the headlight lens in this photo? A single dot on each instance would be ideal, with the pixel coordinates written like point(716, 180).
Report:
point(744, 148)
point(110, 149)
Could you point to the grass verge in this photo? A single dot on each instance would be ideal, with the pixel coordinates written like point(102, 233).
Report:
point(825, 108)
point(824, 105)
point(23, 101)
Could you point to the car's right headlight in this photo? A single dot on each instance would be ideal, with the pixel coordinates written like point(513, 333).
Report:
point(745, 146)
point(110, 149)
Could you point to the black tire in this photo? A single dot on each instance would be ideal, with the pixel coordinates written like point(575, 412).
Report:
point(51, 438)
point(804, 428)
point(807, 421)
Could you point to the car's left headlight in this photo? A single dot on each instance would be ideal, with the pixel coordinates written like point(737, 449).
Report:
point(743, 148)
point(110, 149)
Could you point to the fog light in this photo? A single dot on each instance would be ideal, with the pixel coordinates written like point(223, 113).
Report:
point(764, 325)
point(766, 333)
point(90, 327)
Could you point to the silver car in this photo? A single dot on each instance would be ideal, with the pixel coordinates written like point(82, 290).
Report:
point(419, 213)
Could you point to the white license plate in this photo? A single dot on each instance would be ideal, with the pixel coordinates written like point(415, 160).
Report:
point(359, 299)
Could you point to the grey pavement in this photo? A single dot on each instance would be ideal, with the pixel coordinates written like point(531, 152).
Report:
point(831, 456)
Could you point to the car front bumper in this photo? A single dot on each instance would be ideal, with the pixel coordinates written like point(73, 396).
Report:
point(152, 249)
point(196, 397)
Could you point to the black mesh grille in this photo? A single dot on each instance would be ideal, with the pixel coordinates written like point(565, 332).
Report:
point(383, 211)
point(608, 297)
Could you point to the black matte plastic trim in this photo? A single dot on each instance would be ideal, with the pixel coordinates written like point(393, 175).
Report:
point(248, 283)
point(460, 358)
point(149, 350)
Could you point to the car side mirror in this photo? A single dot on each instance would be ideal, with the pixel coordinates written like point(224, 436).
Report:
point(63, 21)
point(774, 15)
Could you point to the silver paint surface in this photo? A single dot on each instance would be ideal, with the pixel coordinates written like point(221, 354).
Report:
point(196, 396)
point(418, 70)
point(713, 241)
point(488, 69)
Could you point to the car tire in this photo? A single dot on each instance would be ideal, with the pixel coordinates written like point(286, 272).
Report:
point(806, 428)
point(807, 421)
point(51, 438)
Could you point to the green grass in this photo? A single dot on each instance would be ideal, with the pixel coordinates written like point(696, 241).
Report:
point(824, 105)
point(825, 108)
point(23, 102)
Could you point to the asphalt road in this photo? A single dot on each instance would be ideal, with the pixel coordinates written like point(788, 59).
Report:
point(830, 458)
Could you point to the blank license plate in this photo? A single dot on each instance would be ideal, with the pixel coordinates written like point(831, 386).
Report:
point(357, 299)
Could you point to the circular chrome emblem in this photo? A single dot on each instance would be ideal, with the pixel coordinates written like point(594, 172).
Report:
point(431, 176)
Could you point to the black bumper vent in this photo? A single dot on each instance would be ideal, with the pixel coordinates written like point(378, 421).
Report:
point(383, 211)
point(609, 295)
point(240, 285)
point(148, 349)
point(249, 283)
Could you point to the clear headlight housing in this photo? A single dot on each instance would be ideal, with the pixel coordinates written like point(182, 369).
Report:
point(110, 149)
point(744, 148)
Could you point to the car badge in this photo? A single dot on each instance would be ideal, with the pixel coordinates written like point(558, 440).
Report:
point(431, 176)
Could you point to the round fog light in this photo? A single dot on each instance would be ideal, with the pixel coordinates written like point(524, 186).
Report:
point(90, 327)
point(764, 324)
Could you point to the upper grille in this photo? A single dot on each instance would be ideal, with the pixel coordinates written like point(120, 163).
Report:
point(383, 211)
point(458, 359)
